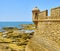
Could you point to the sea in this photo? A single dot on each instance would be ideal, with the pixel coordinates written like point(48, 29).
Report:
point(12, 24)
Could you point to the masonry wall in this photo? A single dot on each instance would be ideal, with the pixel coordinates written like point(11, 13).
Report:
point(47, 33)
point(43, 15)
point(55, 13)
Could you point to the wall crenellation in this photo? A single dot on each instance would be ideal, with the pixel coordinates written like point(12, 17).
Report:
point(55, 14)
point(43, 14)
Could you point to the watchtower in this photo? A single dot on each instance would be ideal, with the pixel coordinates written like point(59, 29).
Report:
point(35, 15)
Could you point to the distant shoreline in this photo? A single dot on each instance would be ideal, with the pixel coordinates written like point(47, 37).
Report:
point(12, 24)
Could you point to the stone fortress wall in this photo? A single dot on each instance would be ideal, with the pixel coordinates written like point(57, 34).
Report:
point(54, 14)
point(47, 31)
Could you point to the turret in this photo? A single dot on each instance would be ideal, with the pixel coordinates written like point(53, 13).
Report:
point(35, 13)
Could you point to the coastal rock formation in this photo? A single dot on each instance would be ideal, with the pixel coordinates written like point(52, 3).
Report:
point(47, 31)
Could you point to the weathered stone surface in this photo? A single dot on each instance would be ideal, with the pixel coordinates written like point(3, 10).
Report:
point(47, 32)
point(4, 47)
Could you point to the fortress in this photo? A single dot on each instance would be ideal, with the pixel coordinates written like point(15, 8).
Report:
point(47, 30)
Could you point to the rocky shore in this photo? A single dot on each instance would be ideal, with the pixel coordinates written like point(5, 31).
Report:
point(15, 39)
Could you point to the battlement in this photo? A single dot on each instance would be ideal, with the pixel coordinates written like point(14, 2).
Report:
point(43, 14)
point(54, 14)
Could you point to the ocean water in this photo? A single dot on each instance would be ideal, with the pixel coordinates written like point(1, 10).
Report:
point(13, 24)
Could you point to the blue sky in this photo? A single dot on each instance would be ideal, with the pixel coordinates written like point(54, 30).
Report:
point(21, 10)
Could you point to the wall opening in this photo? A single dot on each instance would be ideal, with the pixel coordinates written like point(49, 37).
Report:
point(48, 12)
